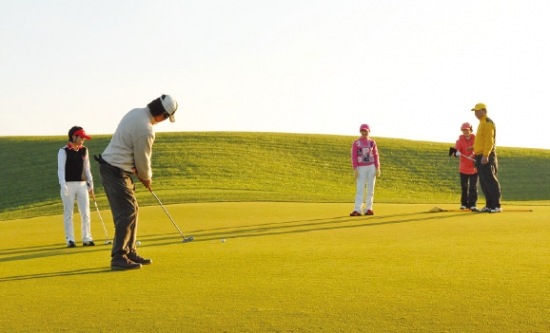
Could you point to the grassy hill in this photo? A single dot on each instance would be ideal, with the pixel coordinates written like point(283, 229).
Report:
point(215, 167)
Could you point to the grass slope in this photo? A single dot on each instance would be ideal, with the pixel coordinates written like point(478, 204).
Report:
point(286, 267)
point(214, 167)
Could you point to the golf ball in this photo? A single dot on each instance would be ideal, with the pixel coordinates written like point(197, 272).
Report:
point(138, 243)
point(223, 240)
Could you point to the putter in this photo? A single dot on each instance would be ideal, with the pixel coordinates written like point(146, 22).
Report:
point(467, 157)
point(107, 241)
point(185, 240)
point(452, 151)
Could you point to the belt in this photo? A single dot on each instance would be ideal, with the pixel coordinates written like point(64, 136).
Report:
point(100, 159)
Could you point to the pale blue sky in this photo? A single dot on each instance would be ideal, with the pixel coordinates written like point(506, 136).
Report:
point(410, 69)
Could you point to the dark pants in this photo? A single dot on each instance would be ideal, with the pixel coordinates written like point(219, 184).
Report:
point(119, 187)
point(488, 180)
point(468, 183)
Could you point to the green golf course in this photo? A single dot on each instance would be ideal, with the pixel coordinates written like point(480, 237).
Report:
point(293, 259)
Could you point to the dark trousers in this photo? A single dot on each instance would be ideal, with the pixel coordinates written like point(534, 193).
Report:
point(119, 187)
point(489, 181)
point(468, 183)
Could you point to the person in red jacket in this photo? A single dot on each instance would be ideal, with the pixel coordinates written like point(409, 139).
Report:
point(466, 167)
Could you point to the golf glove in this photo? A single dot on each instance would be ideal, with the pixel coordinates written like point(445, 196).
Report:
point(65, 190)
point(378, 173)
point(90, 186)
point(457, 154)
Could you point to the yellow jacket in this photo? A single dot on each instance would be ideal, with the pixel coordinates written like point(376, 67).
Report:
point(485, 137)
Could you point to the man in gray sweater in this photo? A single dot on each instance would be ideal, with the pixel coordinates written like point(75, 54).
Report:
point(129, 153)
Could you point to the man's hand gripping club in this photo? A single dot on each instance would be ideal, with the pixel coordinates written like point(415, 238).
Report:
point(146, 182)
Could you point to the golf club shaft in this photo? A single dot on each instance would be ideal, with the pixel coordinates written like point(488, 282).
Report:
point(170, 217)
point(468, 157)
point(101, 219)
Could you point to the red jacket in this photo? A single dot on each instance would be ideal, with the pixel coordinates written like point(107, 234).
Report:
point(466, 166)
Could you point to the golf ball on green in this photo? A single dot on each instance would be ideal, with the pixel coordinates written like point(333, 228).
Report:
point(138, 243)
point(223, 240)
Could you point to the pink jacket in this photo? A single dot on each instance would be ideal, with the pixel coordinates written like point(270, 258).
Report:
point(466, 166)
point(364, 152)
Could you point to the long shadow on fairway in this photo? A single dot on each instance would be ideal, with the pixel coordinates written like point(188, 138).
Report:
point(55, 274)
point(34, 249)
point(301, 226)
point(244, 231)
point(36, 252)
point(335, 218)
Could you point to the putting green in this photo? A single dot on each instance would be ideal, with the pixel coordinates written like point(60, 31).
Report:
point(285, 267)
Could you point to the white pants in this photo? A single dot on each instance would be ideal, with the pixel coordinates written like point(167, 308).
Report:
point(77, 191)
point(366, 175)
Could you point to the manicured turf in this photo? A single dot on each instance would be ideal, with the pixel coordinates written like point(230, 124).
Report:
point(285, 267)
point(215, 167)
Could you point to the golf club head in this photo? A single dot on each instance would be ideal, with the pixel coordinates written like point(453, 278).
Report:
point(108, 242)
point(452, 150)
point(188, 239)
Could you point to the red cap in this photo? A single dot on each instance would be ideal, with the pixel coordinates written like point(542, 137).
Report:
point(466, 126)
point(82, 134)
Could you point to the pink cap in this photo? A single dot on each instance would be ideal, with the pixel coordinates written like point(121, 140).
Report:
point(364, 127)
point(466, 126)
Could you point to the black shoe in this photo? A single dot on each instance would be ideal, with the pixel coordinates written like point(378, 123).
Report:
point(71, 244)
point(139, 259)
point(122, 263)
point(90, 243)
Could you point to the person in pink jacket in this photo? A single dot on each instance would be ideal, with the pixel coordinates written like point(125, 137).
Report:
point(466, 167)
point(366, 167)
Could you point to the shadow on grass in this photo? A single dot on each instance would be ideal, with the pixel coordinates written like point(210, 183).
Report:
point(299, 226)
point(302, 226)
point(47, 251)
point(245, 231)
point(55, 274)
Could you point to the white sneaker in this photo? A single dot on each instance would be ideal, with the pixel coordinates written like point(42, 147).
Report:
point(462, 207)
point(496, 210)
point(473, 208)
point(483, 210)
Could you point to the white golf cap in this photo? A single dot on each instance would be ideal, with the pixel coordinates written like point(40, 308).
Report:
point(170, 105)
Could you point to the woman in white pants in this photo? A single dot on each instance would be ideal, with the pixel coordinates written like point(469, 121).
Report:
point(366, 166)
point(75, 179)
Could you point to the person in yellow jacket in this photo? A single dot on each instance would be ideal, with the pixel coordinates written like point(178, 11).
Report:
point(486, 160)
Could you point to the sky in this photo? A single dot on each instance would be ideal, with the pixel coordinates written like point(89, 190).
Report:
point(409, 69)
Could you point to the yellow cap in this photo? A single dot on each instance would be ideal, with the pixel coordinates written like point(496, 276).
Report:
point(479, 106)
